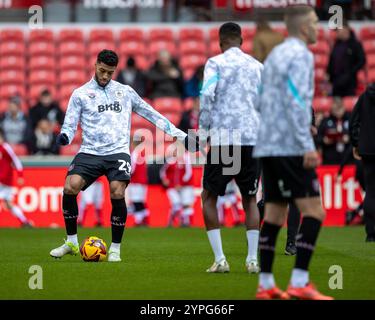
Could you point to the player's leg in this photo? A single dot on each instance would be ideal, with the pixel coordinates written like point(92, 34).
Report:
point(73, 185)
point(294, 219)
point(187, 200)
point(118, 218)
point(252, 232)
point(17, 212)
point(313, 216)
point(369, 201)
point(175, 203)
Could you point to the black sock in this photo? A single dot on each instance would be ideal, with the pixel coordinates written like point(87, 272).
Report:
point(267, 241)
point(118, 219)
point(306, 240)
point(70, 212)
point(294, 219)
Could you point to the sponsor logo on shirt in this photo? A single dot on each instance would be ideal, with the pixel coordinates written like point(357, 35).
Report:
point(115, 107)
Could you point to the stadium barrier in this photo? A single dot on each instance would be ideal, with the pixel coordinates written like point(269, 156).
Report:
point(40, 197)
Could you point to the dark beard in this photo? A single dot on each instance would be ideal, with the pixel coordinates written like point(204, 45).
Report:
point(97, 81)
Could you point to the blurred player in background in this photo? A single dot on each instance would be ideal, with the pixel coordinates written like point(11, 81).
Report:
point(137, 190)
point(230, 197)
point(177, 176)
point(103, 108)
point(228, 115)
point(93, 195)
point(8, 162)
point(286, 147)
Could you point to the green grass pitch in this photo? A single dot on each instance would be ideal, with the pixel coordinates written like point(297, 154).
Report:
point(171, 263)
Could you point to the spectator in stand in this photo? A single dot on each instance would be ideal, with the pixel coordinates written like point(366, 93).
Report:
point(189, 118)
point(333, 134)
point(194, 85)
point(43, 140)
point(265, 40)
point(14, 123)
point(165, 77)
point(46, 108)
point(346, 60)
point(133, 77)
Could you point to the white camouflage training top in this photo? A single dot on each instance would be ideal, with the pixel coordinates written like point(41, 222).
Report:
point(105, 117)
point(228, 97)
point(285, 101)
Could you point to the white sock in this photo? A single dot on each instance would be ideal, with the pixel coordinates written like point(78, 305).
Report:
point(300, 278)
point(215, 240)
point(19, 214)
point(115, 246)
point(252, 245)
point(73, 238)
point(266, 280)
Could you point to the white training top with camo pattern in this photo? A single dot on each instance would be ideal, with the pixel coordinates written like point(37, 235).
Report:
point(105, 117)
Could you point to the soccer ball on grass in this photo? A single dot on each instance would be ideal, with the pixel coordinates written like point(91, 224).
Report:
point(93, 249)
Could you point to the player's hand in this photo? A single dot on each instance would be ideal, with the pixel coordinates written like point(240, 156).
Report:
point(338, 178)
point(313, 130)
point(311, 160)
point(356, 154)
point(62, 139)
point(20, 181)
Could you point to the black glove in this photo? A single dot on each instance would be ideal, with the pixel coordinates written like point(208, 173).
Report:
point(192, 143)
point(62, 139)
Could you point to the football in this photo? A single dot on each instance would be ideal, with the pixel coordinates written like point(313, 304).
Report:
point(93, 249)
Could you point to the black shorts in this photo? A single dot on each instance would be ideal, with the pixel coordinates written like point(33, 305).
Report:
point(285, 179)
point(116, 167)
point(225, 163)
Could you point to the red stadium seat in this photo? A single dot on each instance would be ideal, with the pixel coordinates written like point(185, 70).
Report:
point(370, 61)
point(161, 34)
point(173, 117)
point(247, 47)
point(214, 49)
point(132, 48)
point(77, 77)
point(248, 34)
point(64, 104)
point(7, 91)
point(19, 149)
point(322, 104)
point(41, 35)
point(188, 73)
point(42, 77)
point(371, 75)
point(192, 47)
point(36, 89)
point(66, 91)
point(132, 34)
point(188, 103)
point(321, 61)
point(101, 35)
point(70, 150)
point(42, 48)
point(322, 36)
point(320, 74)
point(13, 35)
point(12, 63)
point(321, 47)
point(70, 35)
point(191, 34)
point(168, 105)
point(192, 61)
point(71, 62)
point(12, 49)
point(213, 35)
point(3, 105)
point(369, 46)
point(96, 47)
point(12, 77)
point(349, 103)
point(367, 33)
point(157, 46)
point(71, 48)
point(40, 62)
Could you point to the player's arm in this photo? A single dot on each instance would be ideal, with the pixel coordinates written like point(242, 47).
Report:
point(300, 91)
point(207, 96)
point(72, 117)
point(15, 161)
point(146, 111)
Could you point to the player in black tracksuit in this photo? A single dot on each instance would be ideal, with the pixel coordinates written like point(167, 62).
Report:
point(362, 135)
